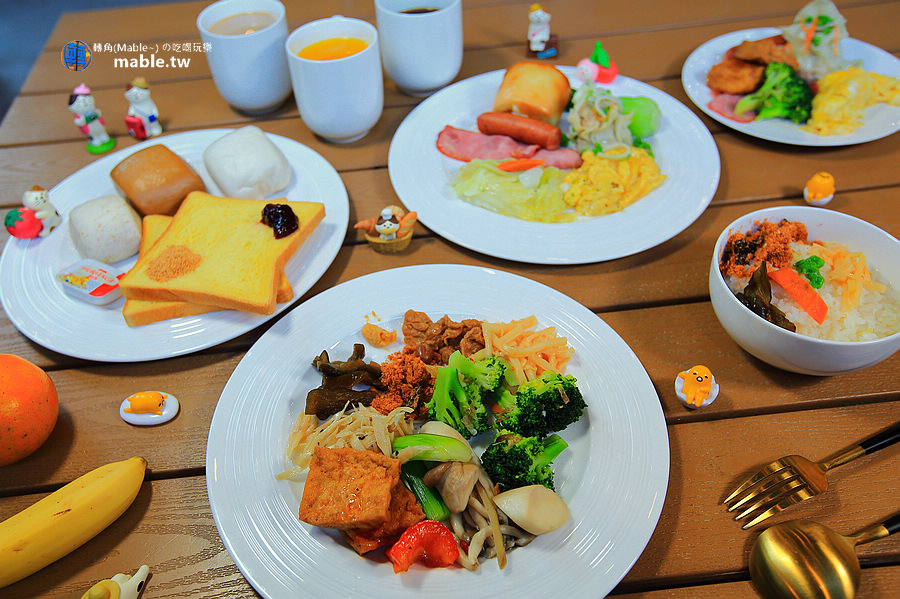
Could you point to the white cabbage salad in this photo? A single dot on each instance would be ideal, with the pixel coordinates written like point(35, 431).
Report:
point(815, 36)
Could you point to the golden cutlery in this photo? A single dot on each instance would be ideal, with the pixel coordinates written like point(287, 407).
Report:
point(800, 559)
point(793, 478)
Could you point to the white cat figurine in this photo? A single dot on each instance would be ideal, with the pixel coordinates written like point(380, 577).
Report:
point(141, 107)
point(38, 199)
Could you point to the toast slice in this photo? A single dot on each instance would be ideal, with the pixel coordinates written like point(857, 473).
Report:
point(218, 252)
point(140, 312)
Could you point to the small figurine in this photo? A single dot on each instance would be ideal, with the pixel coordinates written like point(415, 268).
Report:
point(598, 67)
point(120, 586)
point(541, 43)
point(143, 116)
point(147, 408)
point(819, 189)
point(391, 231)
point(387, 225)
point(697, 387)
point(89, 120)
point(38, 199)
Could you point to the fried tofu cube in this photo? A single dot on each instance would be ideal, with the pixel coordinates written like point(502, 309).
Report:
point(404, 512)
point(348, 488)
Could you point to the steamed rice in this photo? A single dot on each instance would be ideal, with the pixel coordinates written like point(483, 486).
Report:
point(862, 306)
point(877, 314)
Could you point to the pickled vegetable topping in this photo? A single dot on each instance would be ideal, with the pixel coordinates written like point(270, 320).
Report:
point(757, 296)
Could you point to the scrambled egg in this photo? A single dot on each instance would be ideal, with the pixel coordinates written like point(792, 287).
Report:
point(840, 104)
point(603, 185)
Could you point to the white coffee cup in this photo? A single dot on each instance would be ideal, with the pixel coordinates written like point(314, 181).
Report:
point(250, 69)
point(422, 52)
point(339, 99)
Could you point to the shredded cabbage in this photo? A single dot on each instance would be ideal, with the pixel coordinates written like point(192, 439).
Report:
point(535, 194)
point(815, 37)
point(597, 122)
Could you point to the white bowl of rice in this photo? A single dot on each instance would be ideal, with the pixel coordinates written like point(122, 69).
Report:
point(858, 268)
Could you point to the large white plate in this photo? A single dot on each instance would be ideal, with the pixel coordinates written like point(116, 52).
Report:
point(881, 120)
point(683, 147)
point(37, 305)
point(613, 476)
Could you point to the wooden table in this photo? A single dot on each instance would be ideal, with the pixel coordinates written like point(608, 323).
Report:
point(650, 299)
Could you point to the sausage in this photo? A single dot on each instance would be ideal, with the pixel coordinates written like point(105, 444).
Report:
point(520, 128)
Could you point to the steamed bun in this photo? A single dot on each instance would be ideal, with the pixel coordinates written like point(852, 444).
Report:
point(246, 164)
point(106, 229)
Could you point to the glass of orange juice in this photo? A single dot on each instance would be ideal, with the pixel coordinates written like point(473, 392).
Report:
point(335, 67)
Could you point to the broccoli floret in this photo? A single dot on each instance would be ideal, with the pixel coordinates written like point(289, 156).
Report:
point(488, 372)
point(513, 461)
point(460, 406)
point(547, 404)
point(783, 94)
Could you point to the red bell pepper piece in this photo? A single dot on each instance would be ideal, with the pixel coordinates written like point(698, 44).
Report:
point(429, 540)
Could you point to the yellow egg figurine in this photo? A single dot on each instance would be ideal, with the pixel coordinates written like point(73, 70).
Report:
point(819, 190)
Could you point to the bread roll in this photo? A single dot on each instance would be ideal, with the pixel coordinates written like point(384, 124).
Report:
point(247, 164)
point(156, 180)
point(535, 89)
point(106, 229)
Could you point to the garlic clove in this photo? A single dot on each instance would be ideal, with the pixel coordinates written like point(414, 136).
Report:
point(534, 508)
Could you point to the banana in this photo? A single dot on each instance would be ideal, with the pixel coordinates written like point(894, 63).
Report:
point(67, 518)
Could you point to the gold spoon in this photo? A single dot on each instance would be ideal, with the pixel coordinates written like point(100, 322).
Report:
point(800, 559)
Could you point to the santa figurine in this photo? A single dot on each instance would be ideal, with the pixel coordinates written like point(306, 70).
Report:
point(541, 43)
point(89, 120)
point(143, 116)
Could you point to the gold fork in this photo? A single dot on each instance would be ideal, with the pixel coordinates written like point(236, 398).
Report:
point(793, 478)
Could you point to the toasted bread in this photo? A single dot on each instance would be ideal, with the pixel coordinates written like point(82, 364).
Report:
point(218, 252)
point(141, 312)
point(534, 89)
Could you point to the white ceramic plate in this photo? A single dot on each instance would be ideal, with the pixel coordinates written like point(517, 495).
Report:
point(613, 476)
point(421, 175)
point(37, 305)
point(881, 120)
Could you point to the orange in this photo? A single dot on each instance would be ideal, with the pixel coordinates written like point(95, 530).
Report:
point(28, 408)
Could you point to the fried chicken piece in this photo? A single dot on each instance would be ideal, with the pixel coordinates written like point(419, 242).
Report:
point(404, 512)
point(735, 76)
point(348, 488)
point(764, 51)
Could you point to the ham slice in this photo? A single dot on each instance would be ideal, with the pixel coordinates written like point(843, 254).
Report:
point(724, 104)
point(461, 144)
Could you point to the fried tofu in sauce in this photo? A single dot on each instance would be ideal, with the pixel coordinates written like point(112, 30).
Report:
point(348, 488)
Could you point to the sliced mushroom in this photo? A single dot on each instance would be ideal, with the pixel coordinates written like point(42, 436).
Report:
point(456, 485)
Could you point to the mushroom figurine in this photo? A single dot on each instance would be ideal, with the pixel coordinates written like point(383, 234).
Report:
point(819, 190)
point(598, 67)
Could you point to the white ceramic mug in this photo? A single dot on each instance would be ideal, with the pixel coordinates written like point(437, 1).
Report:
point(339, 99)
point(422, 52)
point(250, 70)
